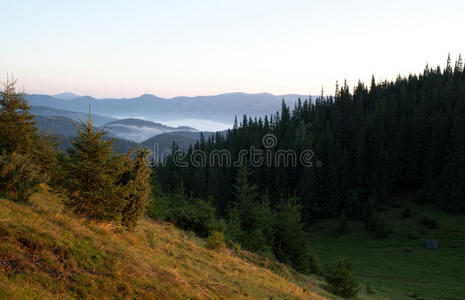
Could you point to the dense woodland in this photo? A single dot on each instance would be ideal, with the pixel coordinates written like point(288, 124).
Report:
point(406, 134)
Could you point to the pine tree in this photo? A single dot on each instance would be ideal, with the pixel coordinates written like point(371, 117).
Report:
point(91, 174)
point(17, 129)
point(135, 181)
point(453, 178)
point(246, 195)
point(341, 281)
point(46, 154)
point(290, 243)
point(19, 175)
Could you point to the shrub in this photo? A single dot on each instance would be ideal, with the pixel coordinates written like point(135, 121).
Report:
point(235, 246)
point(216, 241)
point(257, 242)
point(340, 279)
point(193, 214)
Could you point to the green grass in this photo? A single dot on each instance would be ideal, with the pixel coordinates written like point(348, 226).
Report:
point(399, 267)
point(48, 254)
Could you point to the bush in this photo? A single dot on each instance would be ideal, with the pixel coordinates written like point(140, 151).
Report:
point(340, 279)
point(429, 222)
point(235, 246)
point(216, 241)
point(194, 214)
point(257, 242)
point(158, 207)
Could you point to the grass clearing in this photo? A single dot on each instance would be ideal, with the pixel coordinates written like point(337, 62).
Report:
point(398, 267)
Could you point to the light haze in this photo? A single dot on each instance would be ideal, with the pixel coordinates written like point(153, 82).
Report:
point(173, 48)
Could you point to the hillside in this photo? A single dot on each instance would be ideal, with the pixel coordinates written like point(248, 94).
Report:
point(55, 125)
point(139, 130)
point(45, 253)
point(65, 131)
point(75, 116)
point(164, 142)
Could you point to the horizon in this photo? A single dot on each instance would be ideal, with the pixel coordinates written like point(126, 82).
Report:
point(325, 94)
point(118, 50)
point(170, 98)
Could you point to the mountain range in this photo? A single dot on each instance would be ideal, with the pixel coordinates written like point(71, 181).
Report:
point(220, 108)
point(128, 119)
point(45, 111)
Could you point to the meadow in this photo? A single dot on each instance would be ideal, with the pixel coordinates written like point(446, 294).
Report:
point(399, 267)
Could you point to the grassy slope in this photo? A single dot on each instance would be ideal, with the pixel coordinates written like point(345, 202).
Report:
point(398, 267)
point(45, 253)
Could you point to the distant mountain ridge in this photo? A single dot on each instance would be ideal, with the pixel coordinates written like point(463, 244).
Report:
point(76, 116)
point(220, 108)
point(147, 123)
point(66, 96)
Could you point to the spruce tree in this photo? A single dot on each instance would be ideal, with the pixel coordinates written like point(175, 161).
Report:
point(341, 281)
point(19, 175)
point(246, 195)
point(135, 181)
point(290, 243)
point(91, 174)
point(17, 129)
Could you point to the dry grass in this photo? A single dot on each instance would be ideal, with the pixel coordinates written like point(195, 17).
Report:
point(45, 253)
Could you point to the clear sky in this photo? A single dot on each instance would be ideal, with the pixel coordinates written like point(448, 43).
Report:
point(173, 48)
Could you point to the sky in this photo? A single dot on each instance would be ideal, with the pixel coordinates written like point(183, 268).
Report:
point(189, 48)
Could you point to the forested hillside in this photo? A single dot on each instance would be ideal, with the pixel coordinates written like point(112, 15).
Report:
point(406, 134)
